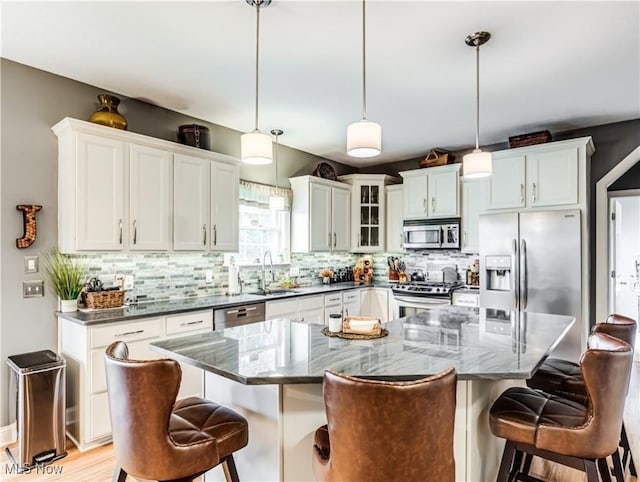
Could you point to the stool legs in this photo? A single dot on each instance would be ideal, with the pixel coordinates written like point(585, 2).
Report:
point(626, 452)
point(119, 475)
point(229, 468)
point(507, 458)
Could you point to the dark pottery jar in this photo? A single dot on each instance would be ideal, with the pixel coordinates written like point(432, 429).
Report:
point(107, 113)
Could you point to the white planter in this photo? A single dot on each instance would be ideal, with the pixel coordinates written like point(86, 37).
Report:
point(68, 305)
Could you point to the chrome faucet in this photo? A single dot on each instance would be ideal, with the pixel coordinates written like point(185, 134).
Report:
point(273, 275)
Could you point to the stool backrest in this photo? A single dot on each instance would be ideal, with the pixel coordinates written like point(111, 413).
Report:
point(606, 369)
point(141, 396)
point(619, 326)
point(384, 431)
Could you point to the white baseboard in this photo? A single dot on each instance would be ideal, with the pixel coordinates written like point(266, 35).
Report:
point(8, 434)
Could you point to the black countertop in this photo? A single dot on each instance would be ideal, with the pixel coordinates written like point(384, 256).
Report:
point(479, 343)
point(157, 308)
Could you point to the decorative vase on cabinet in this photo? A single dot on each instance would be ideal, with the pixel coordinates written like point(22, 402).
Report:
point(107, 113)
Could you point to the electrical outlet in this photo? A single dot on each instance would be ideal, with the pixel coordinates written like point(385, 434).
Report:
point(294, 271)
point(32, 289)
point(129, 282)
point(208, 276)
point(118, 280)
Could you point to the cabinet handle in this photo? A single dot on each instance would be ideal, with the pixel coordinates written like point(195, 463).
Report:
point(424, 205)
point(335, 240)
point(137, 332)
point(329, 238)
point(533, 196)
point(187, 323)
point(465, 238)
point(521, 192)
point(120, 224)
point(215, 234)
point(135, 231)
point(346, 312)
point(358, 240)
point(204, 231)
point(433, 204)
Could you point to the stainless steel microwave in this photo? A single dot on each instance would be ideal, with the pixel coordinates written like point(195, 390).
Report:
point(431, 233)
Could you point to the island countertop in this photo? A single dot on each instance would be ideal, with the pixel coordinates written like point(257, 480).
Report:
point(479, 343)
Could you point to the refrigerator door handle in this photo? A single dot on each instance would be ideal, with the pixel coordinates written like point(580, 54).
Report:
point(514, 275)
point(524, 288)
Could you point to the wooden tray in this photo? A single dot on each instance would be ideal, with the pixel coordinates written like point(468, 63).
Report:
point(354, 336)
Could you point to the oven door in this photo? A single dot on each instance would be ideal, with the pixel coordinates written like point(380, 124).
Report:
point(410, 305)
point(422, 236)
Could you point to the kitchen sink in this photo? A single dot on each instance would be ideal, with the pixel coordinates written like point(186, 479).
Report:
point(276, 292)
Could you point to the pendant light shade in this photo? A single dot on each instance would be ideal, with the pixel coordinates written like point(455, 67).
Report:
point(256, 147)
point(478, 163)
point(364, 138)
point(276, 202)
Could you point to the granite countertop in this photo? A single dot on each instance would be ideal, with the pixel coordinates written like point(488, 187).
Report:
point(479, 343)
point(155, 308)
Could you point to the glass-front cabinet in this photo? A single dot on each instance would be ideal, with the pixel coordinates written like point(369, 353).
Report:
point(368, 211)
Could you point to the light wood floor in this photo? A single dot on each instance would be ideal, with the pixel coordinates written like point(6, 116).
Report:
point(97, 465)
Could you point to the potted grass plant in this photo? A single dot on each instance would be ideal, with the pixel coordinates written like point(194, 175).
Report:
point(66, 277)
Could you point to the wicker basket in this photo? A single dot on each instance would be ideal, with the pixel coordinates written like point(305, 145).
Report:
point(436, 157)
point(530, 139)
point(103, 299)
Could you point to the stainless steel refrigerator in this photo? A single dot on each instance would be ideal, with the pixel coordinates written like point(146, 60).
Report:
point(532, 262)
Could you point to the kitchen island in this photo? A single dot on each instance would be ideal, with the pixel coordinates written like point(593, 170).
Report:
point(271, 372)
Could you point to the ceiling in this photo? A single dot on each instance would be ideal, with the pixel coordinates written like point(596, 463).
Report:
point(549, 65)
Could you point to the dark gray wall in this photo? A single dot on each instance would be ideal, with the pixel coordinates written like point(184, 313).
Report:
point(32, 102)
point(629, 180)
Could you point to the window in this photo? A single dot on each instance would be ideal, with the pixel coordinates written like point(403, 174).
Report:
point(261, 228)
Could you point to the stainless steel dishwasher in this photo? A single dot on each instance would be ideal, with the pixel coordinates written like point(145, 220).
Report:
point(238, 315)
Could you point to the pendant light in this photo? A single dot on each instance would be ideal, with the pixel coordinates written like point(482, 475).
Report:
point(364, 138)
point(477, 163)
point(276, 202)
point(256, 147)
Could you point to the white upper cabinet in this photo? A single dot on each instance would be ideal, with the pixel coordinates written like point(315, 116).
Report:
point(506, 185)
point(368, 202)
point(320, 215)
point(393, 217)
point(90, 192)
point(432, 192)
point(553, 177)
point(225, 180)
point(473, 204)
point(340, 219)
point(118, 190)
point(190, 203)
point(149, 199)
point(543, 175)
point(320, 218)
point(442, 189)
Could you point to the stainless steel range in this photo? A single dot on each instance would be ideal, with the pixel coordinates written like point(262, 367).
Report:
point(418, 296)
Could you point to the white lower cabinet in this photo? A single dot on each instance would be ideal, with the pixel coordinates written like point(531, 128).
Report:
point(375, 302)
point(308, 309)
point(83, 347)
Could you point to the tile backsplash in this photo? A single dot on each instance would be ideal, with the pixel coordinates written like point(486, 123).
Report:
point(163, 276)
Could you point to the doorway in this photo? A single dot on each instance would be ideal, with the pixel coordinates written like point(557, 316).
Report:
point(624, 254)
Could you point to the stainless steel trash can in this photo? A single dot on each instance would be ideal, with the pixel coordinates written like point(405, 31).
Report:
point(40, 408)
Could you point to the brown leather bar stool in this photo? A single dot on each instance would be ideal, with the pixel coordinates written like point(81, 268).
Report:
point(564, 430)
point(563, 377)
point(156, 437)
point(387, 431)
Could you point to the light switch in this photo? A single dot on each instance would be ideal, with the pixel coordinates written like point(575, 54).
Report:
point(208, 276)
point(30, 264)
point(32, 289)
